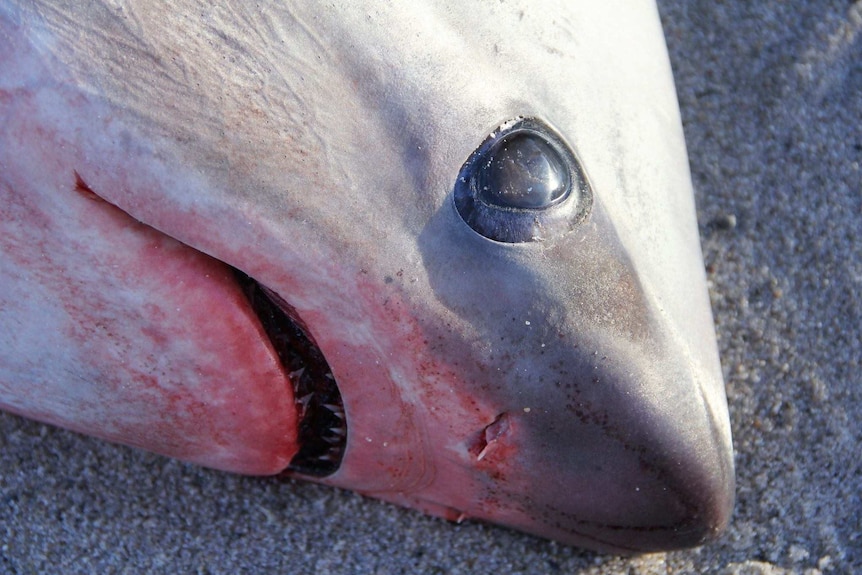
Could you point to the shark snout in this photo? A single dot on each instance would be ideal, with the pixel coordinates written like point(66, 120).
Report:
point(599, 450)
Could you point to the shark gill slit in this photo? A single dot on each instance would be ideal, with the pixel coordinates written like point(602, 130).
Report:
point(322, 422)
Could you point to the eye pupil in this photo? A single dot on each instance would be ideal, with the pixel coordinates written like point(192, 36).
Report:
point(523, 171)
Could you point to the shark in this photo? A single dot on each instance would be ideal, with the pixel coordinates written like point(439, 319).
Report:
point(442, 254)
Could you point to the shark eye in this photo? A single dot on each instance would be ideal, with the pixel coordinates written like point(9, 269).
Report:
point(522, 170)
point(522, 184)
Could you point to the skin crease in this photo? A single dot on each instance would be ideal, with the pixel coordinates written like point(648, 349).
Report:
point(316, 152)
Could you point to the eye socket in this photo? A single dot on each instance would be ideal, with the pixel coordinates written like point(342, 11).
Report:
point(522, 184)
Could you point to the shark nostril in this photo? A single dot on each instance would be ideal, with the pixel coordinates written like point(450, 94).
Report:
point(322, 421)
point(483, 442)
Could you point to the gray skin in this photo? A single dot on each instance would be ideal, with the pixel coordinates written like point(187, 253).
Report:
point(568, 387)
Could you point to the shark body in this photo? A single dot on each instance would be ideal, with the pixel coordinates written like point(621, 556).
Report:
point(187, 199)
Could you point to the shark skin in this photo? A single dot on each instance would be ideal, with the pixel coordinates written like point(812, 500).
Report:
point(568, 387)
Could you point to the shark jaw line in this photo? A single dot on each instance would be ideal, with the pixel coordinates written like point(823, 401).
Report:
point(322, 423)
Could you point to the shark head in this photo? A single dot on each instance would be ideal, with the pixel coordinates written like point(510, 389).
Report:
point(443, 256)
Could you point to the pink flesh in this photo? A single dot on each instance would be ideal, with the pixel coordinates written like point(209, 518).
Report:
point(124, 332)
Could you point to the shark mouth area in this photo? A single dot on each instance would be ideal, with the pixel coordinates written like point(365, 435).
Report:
point(322, 425)
point(322, 434)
